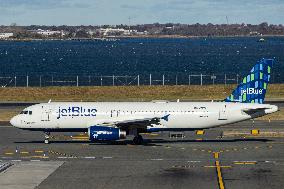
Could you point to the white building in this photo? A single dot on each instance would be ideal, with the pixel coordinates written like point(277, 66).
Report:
point(48, 32)
point(6, 35)
point(111, 31)
point(254, 33)
point(121, 31)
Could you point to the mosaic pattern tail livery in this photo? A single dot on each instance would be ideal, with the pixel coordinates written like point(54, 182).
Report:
point(254, 85)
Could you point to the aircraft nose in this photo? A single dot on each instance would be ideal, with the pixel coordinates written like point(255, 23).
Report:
point(14, 121)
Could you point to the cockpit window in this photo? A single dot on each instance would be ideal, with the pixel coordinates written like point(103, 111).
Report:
point(26, 112)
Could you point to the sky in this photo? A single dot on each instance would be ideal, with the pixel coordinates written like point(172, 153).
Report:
point(99, 12)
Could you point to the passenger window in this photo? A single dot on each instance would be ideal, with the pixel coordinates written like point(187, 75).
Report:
point(30, 112)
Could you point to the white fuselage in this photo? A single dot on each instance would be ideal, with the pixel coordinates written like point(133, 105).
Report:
point(180, 115)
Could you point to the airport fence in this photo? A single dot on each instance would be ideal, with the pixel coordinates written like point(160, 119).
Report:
point(118, 80)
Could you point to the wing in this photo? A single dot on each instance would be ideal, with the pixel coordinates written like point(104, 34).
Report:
point(137, 122)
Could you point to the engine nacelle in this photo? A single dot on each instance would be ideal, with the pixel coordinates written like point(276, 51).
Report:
point(100, 133)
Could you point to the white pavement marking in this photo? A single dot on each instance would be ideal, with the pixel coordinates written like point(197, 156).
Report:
point(90, 157)
point(268, 161)
point(246, 161)
point(27, 175)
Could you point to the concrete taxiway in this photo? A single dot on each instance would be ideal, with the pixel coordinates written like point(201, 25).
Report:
point(196, 161)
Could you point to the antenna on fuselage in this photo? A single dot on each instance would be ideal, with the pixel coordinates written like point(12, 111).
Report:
point(49, 101)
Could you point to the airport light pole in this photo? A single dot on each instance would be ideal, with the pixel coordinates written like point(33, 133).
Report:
point(237, 79)
point(138, 80)
point(213, 77)
point(112, 80)
point(77, 81)
point(176, 80)
point(27, 81)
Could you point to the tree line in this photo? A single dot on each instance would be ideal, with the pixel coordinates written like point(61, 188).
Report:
point(155, 29)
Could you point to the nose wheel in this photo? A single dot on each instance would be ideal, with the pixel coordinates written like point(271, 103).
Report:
point(138, 140)
point(46, 136)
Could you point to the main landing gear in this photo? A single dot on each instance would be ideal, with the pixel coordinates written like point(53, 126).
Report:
point(138, 139)
point(46, 136)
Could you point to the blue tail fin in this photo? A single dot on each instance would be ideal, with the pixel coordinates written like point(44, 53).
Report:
point(254, 85)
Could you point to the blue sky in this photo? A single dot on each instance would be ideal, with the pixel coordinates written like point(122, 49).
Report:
point(97, 12)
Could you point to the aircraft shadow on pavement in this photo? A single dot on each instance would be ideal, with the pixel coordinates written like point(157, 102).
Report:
point(148, 142)
point(209, 140)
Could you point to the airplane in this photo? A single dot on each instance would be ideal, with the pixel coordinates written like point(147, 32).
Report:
point(111, 121)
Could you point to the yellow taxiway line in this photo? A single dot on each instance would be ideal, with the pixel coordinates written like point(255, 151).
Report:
point(219, 174)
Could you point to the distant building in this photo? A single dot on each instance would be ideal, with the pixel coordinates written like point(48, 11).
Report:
point(170, 27)
point(254, 33)
point(119, 31)
point(48, 32)
point(6, 35)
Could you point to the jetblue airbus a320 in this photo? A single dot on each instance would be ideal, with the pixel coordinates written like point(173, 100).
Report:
point(105, 121)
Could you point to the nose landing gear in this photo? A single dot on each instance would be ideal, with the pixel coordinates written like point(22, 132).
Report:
point(46, 136)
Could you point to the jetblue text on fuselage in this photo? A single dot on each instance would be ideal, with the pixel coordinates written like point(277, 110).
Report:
point(76, 111)
point(251, 91)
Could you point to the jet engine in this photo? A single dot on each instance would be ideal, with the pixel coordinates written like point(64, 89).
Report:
point(101, 133)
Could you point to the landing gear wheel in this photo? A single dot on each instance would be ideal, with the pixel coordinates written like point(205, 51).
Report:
point(138, 140)
point(46, 135)
point(46, 141)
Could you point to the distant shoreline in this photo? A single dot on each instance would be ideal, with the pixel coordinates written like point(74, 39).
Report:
point(134, 36)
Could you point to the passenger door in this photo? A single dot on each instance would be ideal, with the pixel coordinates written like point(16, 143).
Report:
point(45, 113)
point(223, 112)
